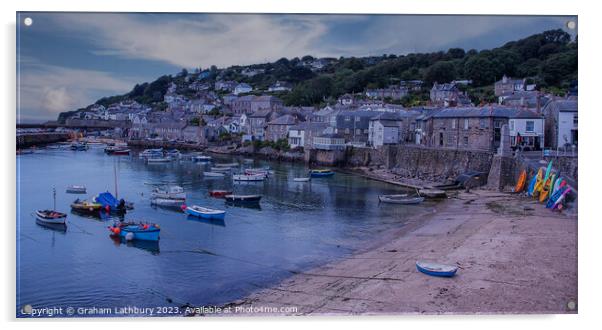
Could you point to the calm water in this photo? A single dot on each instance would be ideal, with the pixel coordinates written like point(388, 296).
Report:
point(299, 226)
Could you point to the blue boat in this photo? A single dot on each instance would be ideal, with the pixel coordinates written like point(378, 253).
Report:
point(320, 173)
point(206, 213)
point(110, 203)
point(435, 269)
point(133, 231)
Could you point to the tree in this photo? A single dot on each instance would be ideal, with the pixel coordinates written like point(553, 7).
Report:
point(440, 72)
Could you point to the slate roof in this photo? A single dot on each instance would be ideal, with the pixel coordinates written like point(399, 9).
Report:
point(284, 120)
point(486, 111)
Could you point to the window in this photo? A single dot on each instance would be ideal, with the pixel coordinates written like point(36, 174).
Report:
point(512, 125)
point(465, 123)
point(530, 126)
point(346, 130)
point(575, 120)
point(347, 118)
point(357, 118)
point(466, 140)
point(454, 123)
point(483, 123)
point(358, 131)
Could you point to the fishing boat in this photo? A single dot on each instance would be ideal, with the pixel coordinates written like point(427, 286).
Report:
point(243, 198)
point(400, 199)
point(169, 192)
point(435, 269)
point(201, 158)
point(204, 212)
point(51, 216)
point(219, 193)
point(136, 231)
point(320, 173)
point(246, 177)
point(304, 179)
point(213, 175)
point(76, 189)
point(85, 206)
point(154, 160)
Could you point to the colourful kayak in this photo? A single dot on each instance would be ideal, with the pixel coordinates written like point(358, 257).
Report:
point(547, 188)
point(532, 184)
point(520, 184)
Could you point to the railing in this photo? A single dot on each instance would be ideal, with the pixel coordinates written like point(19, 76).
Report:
point(566, 151)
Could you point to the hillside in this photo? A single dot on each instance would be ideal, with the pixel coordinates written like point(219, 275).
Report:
point(548, 59)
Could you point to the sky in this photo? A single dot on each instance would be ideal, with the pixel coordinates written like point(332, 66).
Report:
point(67, 61)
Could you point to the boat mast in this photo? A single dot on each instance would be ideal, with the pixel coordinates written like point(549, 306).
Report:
point(115, 178)
point(54, 198)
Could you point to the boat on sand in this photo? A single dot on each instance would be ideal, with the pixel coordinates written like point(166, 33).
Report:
point(436, 269)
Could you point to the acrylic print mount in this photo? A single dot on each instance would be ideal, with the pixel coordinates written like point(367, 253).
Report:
point(247, 164)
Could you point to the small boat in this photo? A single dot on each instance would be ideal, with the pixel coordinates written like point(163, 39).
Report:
point(169, 202)
point(85, 206)
point(243, 198)
point(76, 189)
point(435, 269)
point(169, 192)
point(204, 212)
point(321, 173)
point(227, 165)
point(400, 199)
point(51, 217)
point(136, 231)
point(432, 193)
point(213, 175)
point(147, 153)
point(246, 177)
point(248, 160)
point(305, 179)
point(201, 158)
point(154, 160)
point(173, 154)
point(219, 193)
point(110, 203)
point(79, 146)
point(121, 152)
point(221, 169)
point(257, 171)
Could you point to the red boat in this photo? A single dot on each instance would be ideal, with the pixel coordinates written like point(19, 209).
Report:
point(219, 193)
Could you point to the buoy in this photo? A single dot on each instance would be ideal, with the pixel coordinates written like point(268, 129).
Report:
point(183, 207)
point(107, 208)
point(129, 236)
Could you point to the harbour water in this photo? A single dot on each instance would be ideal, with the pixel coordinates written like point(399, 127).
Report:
point(299, 225)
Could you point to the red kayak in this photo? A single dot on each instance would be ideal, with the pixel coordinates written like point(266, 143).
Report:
point(219, 193)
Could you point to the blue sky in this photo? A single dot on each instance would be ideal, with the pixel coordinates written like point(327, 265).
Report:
point(69, 60)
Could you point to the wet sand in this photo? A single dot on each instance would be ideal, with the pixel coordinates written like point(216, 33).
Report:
point(515, 256)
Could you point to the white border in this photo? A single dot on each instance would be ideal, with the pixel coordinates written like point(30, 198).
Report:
point(590, 219)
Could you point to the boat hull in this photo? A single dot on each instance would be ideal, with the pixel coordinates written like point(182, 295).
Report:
point(215, 214)
point(243, 198)
point(321, 174)
point(152, 234)
point(400, 200)
point(434, 269)
point(55, 220)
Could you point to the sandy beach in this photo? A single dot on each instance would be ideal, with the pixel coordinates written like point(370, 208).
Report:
point(513, 254)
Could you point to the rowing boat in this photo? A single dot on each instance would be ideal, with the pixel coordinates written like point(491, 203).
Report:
point(435, 269)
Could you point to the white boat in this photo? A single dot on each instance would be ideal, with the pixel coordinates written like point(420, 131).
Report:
point(227, 165)
point(213, 175)
point(167, 201)
point(169, 192)
point(151, 153)
point(51, 217)
point(248, 177)
point(158, 160)
point(301, 179)
point(76, 189)
point(258, 171)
